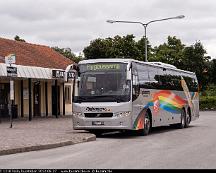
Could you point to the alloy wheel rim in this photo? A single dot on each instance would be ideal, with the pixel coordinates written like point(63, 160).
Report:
point(147, 123)
point(183, 119)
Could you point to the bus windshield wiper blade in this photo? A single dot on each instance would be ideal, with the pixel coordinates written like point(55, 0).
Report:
point(81, 98)
point(114, 98)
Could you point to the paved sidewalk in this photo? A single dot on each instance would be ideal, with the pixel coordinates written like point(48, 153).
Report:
point(40, 133)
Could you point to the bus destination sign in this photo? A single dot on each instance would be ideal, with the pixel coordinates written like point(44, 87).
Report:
point(96, 67)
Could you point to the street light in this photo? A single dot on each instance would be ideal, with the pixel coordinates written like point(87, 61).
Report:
point(145, 26)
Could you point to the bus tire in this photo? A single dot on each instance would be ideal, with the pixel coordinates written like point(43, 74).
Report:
point(147, 125)
point(181, 125)
point(97, 133)
point(187, 119)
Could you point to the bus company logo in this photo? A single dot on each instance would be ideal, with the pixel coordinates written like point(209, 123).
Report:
point(92, 109)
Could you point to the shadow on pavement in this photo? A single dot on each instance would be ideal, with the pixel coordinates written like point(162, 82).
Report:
point(134, 134)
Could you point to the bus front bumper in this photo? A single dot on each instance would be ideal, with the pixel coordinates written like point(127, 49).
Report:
point(120, 123)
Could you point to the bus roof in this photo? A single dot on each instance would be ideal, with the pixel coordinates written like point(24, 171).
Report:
point(122, 60)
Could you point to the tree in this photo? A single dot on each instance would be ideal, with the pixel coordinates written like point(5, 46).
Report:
point(170, 52)
point(117, 47)
point(97, 49)
point(194, 59)
point(17, 38)
point(68, 54)
point(191, 58)
point(141, 48)
point(212, 71)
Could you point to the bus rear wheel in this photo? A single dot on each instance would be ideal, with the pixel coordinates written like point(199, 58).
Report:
point(147, 125)
point(187, 119)
point(181, 125)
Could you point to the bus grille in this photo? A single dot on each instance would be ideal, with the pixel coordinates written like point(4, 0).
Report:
point(98, 115)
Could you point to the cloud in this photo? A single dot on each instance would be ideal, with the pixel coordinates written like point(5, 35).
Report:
point(75, 23)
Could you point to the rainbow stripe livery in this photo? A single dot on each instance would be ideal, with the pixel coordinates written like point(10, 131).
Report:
point(168, 101)
point(139, 122)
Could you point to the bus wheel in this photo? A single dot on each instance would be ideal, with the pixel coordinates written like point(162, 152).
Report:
point(181, 125)
point(187, 120)
point(147, 125)
point(97, 133)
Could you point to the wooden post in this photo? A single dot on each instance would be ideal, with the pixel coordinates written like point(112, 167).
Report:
point(46, 99)
point(63, 99)
point(30, 99)
point(56, 98)
point(21, 93)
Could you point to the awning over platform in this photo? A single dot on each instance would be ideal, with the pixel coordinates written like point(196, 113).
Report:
point(28, 71)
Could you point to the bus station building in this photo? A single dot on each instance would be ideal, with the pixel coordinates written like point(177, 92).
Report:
point(40, 88)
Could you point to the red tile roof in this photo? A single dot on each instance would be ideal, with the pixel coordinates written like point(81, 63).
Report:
point(28, 54)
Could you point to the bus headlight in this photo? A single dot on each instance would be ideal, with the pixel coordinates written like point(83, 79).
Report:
point(77, 114)
point(122, 114)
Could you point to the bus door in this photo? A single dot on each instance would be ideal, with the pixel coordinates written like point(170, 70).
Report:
point(136, 103)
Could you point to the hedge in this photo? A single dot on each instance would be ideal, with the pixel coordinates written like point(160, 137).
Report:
point(207, 103)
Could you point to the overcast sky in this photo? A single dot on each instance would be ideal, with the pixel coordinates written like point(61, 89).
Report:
point(74, 23)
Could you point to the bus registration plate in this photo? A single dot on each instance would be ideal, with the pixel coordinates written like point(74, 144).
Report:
point(97, 123)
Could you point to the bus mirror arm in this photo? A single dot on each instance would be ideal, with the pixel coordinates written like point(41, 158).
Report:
point(128, 74)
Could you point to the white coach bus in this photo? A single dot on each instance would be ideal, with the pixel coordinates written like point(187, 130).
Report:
point(126, 94)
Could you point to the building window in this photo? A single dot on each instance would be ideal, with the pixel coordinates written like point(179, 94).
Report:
point(68, 94)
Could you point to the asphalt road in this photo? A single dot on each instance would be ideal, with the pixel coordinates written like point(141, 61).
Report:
point(166, 147)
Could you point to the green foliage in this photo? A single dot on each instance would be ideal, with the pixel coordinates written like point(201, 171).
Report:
point(68, 54)
point(191, 58)
point(208, 98)
point(141, 48)
point(210, 91)
point(208, 103)
point(170, 52)
point(97, 49)
point(194, 59)
point(117, 47)
point(17, 38)
point(212, 72)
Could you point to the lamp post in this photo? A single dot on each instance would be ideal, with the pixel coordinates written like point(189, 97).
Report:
point(145, 27)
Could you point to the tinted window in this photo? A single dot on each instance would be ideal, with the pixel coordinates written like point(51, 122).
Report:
point(143, 75)
point(103, 82)
point(173, 80)
point(160, 78)
point(191, 82)
point(153, 78)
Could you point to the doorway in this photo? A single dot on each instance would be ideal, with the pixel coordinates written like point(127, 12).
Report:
point(55, 100)
point(4, 99)
point(36, 99)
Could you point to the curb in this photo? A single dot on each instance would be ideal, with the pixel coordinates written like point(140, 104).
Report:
point(45, 147)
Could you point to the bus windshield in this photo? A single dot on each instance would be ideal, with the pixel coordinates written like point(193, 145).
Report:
point(103, 82)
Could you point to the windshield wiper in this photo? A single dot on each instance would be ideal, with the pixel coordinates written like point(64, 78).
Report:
point(113, 98)
point(118, 99)
point(80, 99)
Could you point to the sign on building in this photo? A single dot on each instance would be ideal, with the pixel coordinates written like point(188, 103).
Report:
point(70, 75)
point(70, 72)
point(11, 71)
point(10, 59)
point(58, 73)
